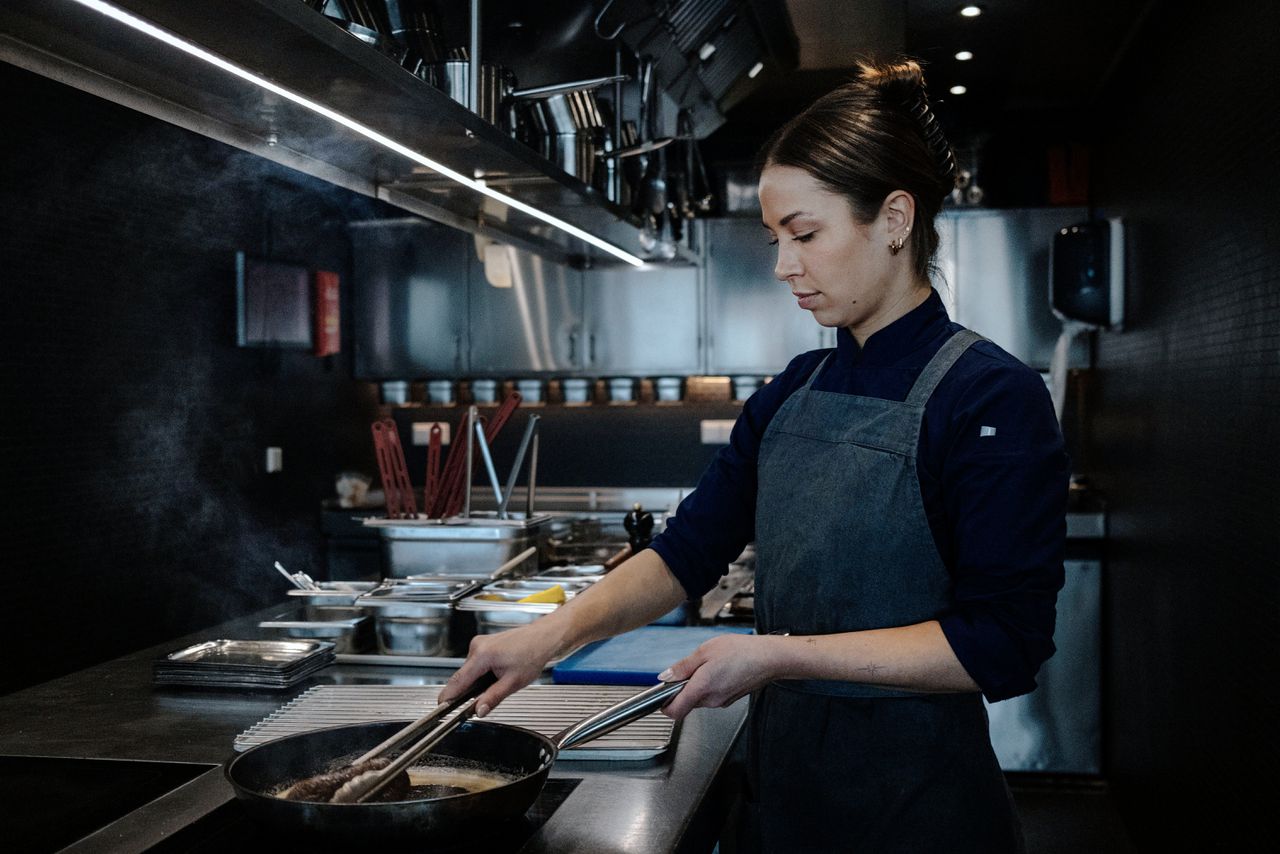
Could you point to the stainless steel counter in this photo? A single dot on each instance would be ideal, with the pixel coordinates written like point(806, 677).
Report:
point(111, 711)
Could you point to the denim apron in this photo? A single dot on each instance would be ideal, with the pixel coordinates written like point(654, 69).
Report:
point(843, 544)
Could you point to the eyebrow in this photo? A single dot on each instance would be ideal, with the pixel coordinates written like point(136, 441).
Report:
point(786, 219)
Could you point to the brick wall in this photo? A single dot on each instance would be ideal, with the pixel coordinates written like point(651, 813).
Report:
point(134, 429)
point(1187, 423)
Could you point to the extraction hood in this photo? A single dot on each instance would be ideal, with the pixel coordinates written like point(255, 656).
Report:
point(276, 78)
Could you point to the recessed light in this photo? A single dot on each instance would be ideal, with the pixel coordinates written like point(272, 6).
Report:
point(970, 11)
point(964, 55)
point(755, 69)
point(704, 52)
point(958, 90)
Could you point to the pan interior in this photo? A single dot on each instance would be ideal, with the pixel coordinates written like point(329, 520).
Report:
point(476, 757)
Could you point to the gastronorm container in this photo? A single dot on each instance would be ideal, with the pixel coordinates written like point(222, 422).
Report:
point(472, 547)
point(332, 594)
point(581, 572)
point(418, 617)
point(350, 630)
point(506, 611)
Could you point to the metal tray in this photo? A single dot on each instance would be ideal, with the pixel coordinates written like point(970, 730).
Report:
point(246, 655)
point(419, 590)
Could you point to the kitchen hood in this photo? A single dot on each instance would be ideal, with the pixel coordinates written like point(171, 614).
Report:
point(278, 79)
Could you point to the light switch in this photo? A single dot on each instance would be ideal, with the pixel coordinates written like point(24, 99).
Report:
point(275, 460)
point(422, 432)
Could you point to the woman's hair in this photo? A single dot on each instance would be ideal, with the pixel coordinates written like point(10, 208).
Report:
point(874, 135)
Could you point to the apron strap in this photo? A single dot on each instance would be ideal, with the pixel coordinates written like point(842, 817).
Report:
point(938, 366)
point(816, 371)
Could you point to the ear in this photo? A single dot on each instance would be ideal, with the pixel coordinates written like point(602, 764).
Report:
point(898, 212)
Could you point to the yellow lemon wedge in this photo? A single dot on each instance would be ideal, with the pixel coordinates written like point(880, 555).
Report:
point(553, 594)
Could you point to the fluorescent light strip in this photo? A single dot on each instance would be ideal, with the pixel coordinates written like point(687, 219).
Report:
point(478, 186)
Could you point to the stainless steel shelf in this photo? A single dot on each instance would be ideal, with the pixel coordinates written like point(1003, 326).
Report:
point(292, 46)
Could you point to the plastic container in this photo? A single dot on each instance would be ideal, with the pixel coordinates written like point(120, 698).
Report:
point(576, 390)
point(440, 391)
point(484, 391)
point(668, 389)
point(622, 389)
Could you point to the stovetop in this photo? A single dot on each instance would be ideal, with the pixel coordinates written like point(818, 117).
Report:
point(231, 828)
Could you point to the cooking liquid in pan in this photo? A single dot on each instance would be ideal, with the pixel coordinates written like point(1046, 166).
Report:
point(437, 777)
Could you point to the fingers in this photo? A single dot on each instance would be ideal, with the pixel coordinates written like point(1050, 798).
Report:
point(462, 679)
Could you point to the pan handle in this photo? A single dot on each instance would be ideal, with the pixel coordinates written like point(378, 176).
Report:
point(619, 714)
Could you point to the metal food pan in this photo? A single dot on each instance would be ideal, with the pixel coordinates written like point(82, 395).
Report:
point(349, 630)
point(475, 548)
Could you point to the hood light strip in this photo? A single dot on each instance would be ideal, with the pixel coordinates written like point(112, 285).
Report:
point(168, 38)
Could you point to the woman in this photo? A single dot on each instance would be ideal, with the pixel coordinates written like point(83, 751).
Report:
point(906, 493)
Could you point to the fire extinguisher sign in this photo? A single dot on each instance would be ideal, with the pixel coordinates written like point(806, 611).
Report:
point(328, 317)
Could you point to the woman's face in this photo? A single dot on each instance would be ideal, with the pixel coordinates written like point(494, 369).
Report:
point(837, 268)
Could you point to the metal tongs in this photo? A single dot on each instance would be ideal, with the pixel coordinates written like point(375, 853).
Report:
point(437, 723)
point(298, 579)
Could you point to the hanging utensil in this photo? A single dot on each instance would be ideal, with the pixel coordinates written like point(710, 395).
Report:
point(395, 476)
point(431, 485)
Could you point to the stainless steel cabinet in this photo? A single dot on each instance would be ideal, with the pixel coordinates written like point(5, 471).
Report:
point(642, 321)
point(533, 326)
point(753, 324)
point(410, 299)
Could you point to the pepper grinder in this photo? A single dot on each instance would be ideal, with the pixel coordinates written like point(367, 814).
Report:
point(639, 525)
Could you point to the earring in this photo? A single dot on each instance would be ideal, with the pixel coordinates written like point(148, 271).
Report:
point(895, 246)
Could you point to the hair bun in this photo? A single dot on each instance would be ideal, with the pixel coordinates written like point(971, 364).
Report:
point(902, 83)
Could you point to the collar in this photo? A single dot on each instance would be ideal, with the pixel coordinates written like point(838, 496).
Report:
point(899, 339)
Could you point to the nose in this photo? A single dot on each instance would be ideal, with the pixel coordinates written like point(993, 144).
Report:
point(788, 264)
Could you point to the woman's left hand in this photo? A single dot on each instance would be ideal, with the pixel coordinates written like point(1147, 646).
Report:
point(722, 670)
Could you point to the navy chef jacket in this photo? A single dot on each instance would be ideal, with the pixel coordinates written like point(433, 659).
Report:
point(995, 498)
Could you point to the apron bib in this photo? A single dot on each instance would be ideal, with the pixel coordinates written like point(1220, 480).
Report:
point(843, 544)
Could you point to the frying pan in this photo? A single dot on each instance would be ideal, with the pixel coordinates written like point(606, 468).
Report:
point(522, 755)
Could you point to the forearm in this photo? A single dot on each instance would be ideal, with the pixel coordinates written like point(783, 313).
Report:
point(632, 595)
point(916, 657)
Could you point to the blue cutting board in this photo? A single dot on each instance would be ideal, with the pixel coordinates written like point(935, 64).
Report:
point(637, 657)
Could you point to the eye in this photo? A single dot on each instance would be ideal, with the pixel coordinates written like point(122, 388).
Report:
point(773, 242)
point(804, 238)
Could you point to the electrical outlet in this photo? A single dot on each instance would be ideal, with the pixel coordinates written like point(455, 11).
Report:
point(422, 432)
point(715, 431)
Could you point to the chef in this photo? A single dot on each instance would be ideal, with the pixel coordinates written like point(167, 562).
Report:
point(906, 492)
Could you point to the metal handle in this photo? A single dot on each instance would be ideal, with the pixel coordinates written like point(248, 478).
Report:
point(530, 431)
point(488, 463)
point(573, 347)
point(618, 715)
point(591, 348)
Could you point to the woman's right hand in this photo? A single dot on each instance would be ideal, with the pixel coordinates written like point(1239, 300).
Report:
point(515, 657)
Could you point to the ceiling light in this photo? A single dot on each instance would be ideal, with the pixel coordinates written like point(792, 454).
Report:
point(970, 11)
point(704, 52)
point(172, 40)
point(964, 55)
point(755, 69)
point(958, 90)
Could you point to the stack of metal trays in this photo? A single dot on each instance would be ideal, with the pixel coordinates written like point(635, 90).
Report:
point(264, 664)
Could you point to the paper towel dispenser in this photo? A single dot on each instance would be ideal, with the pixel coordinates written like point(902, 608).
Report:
point(1086, 273)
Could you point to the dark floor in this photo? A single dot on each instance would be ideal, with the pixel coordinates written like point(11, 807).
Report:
point(1067, 816)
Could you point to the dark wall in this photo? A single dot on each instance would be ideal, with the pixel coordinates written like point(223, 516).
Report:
point(1187, 425)
point(137, 507)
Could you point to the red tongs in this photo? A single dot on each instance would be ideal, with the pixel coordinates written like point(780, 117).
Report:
point(395, 475)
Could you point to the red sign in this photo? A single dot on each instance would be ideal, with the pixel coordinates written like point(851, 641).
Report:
point(328, 318)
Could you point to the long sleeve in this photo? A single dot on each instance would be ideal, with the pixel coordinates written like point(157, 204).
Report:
point(1004, 481)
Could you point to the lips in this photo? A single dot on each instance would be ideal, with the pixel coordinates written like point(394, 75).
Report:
point(806, 299)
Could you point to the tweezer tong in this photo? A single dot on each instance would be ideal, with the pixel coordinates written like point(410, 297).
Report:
point(437, 723)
